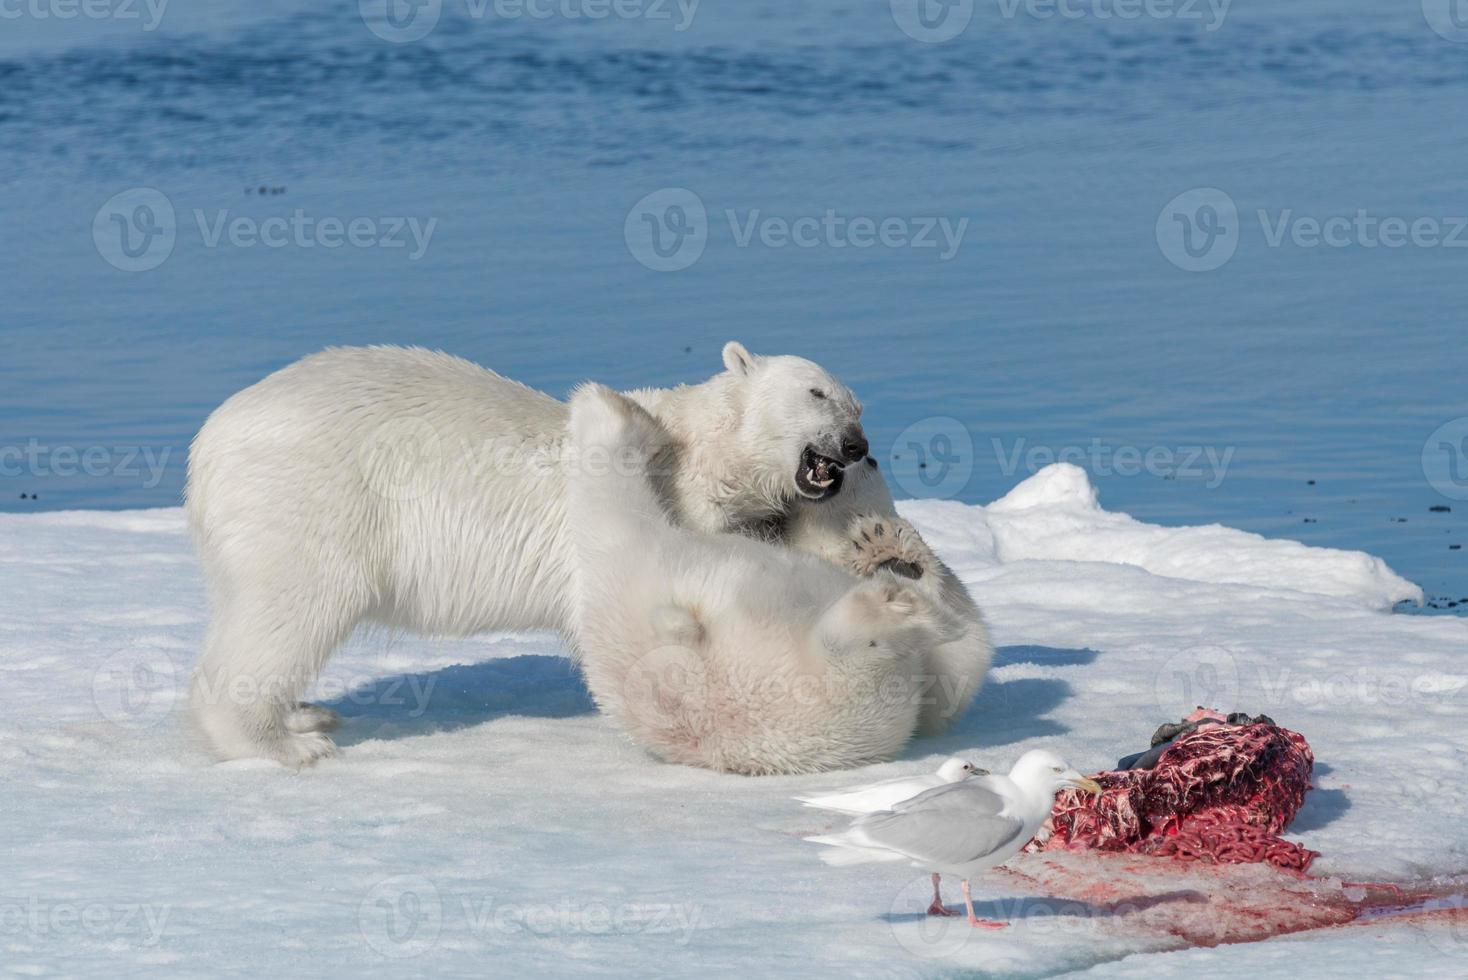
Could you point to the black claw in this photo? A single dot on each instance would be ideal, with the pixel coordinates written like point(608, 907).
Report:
point(906, 569)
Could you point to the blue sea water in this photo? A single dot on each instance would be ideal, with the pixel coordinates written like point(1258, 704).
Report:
point(1108, 290)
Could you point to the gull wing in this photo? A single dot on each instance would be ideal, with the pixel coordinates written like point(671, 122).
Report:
point(864, 799)
point(948, 826)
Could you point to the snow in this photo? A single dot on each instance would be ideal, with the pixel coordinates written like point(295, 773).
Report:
point(484, 819)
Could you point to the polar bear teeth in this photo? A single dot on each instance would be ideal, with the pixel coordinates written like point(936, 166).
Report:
point(820, 474)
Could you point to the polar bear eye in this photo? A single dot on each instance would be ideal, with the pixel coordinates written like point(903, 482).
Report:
point(817, 393)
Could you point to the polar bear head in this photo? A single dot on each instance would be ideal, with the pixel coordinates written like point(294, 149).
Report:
point(796, 420)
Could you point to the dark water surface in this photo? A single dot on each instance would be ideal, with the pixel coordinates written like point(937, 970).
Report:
point(1299, 389)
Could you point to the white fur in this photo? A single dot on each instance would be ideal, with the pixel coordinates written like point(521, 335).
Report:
point(419, 490)
point(729, 653)
point(834, 530)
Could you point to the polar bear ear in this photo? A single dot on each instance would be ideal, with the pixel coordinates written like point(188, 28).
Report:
point(737, 359)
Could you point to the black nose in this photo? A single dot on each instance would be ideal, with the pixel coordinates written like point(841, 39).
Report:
point(854, 448)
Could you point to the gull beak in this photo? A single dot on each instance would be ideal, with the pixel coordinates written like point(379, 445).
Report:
point(1089, 785)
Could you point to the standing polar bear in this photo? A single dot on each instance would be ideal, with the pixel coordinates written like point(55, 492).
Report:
point(421, 491)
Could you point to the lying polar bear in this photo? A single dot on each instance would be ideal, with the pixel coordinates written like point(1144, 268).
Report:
point(729, 653)
point(419, 490)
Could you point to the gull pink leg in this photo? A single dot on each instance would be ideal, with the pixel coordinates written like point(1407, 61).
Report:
point(937, 907)
point(974, 920)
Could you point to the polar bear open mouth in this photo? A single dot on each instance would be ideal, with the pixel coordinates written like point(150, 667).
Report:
point(818, 476)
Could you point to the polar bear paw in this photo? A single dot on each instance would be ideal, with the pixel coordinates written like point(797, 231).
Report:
point(606, 419)
point(883, 542)
point(298, 750)
point(305, 718)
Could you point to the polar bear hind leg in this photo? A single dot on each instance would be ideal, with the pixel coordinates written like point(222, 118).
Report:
point(260, 654)
point(617, 446)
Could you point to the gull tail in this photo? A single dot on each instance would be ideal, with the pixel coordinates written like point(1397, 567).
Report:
point(841, 852)
point(835, 803)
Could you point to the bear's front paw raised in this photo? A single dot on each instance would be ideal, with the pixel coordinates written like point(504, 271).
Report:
point(881, 542)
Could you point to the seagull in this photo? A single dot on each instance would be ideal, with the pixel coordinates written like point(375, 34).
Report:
point(961, 828)
point(875, 797)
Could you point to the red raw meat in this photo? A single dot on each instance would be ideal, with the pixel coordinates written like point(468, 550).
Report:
point(1220, 794)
